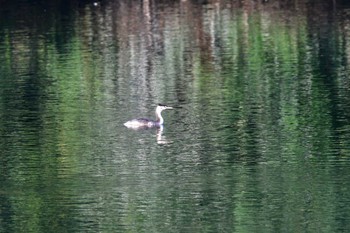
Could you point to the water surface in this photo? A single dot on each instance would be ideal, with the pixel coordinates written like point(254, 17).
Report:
point(258, 141)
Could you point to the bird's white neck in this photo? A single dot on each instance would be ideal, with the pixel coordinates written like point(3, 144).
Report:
point(159, 116)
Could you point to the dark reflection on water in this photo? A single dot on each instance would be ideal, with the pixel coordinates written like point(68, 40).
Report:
point(258, 142)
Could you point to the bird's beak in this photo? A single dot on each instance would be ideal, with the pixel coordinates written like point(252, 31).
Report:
point(169, 107)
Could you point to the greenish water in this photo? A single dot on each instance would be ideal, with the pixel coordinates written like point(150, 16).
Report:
point(259, 140)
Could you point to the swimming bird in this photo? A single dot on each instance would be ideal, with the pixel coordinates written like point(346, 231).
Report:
point(142, 123)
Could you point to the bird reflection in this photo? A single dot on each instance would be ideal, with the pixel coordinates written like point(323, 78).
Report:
point(161, 140)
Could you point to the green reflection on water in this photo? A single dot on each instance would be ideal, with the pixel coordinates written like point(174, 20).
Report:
point(260, 143)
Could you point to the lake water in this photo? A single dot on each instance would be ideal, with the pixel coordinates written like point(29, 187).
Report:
point(259, 140)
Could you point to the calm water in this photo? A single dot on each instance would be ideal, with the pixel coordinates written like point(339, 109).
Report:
point(259, 140)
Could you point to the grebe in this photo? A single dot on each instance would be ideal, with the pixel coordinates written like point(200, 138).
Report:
point(146, 123)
